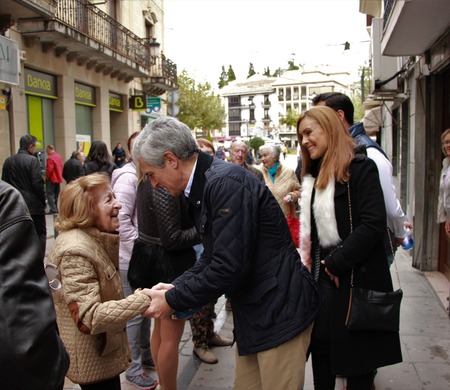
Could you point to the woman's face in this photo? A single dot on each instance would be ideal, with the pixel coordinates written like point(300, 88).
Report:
point(446, 144)
point(267, 160)
point(314, 138)
point(207, 149)
point(107, 208)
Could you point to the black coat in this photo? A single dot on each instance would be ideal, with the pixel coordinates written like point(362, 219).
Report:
point(32, 356)
point(249, 255)
point(23, 172)
point(360, 352)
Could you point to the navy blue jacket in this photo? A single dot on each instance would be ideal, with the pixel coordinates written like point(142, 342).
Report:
point(249, 255)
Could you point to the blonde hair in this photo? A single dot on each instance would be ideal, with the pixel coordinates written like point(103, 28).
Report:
point(204, 142)
point(339, 153)
point(443, 135)
point(77, 200)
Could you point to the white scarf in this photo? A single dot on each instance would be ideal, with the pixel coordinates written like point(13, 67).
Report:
point(324, 216)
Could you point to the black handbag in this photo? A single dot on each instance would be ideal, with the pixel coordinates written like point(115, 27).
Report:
point(369, 309)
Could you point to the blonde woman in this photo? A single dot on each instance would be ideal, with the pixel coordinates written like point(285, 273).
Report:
point(444, 188)
point(92, 312)
point(343, 222)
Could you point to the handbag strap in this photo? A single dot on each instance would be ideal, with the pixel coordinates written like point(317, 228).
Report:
point(351, 230)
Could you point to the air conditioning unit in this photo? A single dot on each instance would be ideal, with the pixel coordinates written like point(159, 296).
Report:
point(383, 67)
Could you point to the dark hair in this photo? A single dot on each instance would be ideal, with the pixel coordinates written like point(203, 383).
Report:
point(337, 101)
point(74, 154)
point(130, 140)
point(99, 153)
point(26, 141)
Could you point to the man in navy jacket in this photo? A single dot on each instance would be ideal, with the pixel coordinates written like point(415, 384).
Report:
point(248, 255)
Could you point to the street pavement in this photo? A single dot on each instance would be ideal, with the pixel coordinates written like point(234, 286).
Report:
point(424, 333)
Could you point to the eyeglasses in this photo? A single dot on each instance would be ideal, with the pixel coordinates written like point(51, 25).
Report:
point(446, 143)
point(52, 275)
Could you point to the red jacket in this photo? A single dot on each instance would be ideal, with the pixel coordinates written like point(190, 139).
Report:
point(54, 168)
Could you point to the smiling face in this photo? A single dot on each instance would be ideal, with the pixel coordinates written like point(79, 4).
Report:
point(314, 138)
point(446, 144)
point(107, 207)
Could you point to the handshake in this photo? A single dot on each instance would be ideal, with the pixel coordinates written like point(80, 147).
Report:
point(159, 308)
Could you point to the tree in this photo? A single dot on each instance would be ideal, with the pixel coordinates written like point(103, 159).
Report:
point(277, 73)
point(251, 70)
point(200, 108)
point(290, 119)
point(256, 143)
point(292, 66)
point(267, 72)
point(223, 80)
point(231, 75)
point(362, 89)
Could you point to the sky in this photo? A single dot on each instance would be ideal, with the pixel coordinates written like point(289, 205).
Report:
point(201, 36)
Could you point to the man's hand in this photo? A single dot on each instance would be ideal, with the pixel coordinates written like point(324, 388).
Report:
point(159, 308)
point(333, 278)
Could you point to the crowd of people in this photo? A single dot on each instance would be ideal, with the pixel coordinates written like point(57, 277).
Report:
point(170, 225)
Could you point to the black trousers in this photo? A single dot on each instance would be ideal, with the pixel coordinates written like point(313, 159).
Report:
point(320, 350)
point(41, 229)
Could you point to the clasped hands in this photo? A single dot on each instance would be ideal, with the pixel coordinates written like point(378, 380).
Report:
point(159, 308)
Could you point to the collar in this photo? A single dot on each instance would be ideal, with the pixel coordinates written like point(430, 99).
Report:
point(187, 190)
point(204, 162)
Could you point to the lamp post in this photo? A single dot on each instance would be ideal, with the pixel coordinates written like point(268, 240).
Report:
point(154, 50)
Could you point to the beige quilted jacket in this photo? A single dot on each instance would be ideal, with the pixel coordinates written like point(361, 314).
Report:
point(285, 183)
point(91, 309)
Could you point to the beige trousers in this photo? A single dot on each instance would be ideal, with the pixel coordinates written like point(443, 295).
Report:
point(282, 367)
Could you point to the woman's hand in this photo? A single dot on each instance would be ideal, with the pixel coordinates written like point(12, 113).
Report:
point(288, 199)
point(334, 278)
point(447, 228)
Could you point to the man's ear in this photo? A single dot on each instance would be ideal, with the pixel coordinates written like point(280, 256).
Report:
point(171, 159)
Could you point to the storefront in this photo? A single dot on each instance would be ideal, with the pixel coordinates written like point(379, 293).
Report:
point(85, 102)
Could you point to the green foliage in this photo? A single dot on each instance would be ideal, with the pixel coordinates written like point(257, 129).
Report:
point(231, 75)
point(200, 108)
point(290, 119)
point(358, 100)
point(277, 73)
point(292, 66)
point(256, 143)
point(251, 70)
point(267, 72)
point(223, 80)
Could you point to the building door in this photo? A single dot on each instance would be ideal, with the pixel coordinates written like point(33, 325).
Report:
point(444, 241)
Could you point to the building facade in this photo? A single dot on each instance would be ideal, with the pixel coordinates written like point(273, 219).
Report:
point(411, 87)
point(86, 69)
point(256, 106)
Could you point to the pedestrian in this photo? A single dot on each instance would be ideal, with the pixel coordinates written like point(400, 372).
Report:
point(284, 185)
point(162, 252)
point(98, 159)
point(238, 155)
point(248, 255)
point(23, 172)
point(443, 215)
point(91, 309)
point(124, 185)
point(343, 222)
point(120, 156)
point(202, 325)
point(32, 355)
point(73, 167)
point(53, 178)
point(396, 219)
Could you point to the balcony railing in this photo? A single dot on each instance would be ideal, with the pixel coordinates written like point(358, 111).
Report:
point(165, 68)
point(89, 20)
point(388, 5)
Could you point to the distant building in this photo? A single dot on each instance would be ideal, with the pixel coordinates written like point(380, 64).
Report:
point(255, 106)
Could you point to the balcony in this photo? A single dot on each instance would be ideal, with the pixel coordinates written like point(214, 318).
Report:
point(401, 35)
point(162, 78)
point(83, 33)
point(266, 104)
point(266, 119)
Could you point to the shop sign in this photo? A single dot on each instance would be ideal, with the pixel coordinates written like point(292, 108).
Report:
point(9, 61)
point(137, 102)
point(115, 102)
point(84, 94)
point(40, 84)
point(153, 104)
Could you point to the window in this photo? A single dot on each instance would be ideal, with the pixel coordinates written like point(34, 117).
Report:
point(295, 94)
point(234, 129)
point(234, 101)
point(288, 93)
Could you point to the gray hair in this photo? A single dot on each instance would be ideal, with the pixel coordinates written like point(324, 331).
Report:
point(274, 151)
point(162, 135)
point(239, 143)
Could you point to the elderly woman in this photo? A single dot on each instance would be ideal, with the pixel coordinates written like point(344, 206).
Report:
point(91, 309)
point(283, 184)
point(444, 188)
